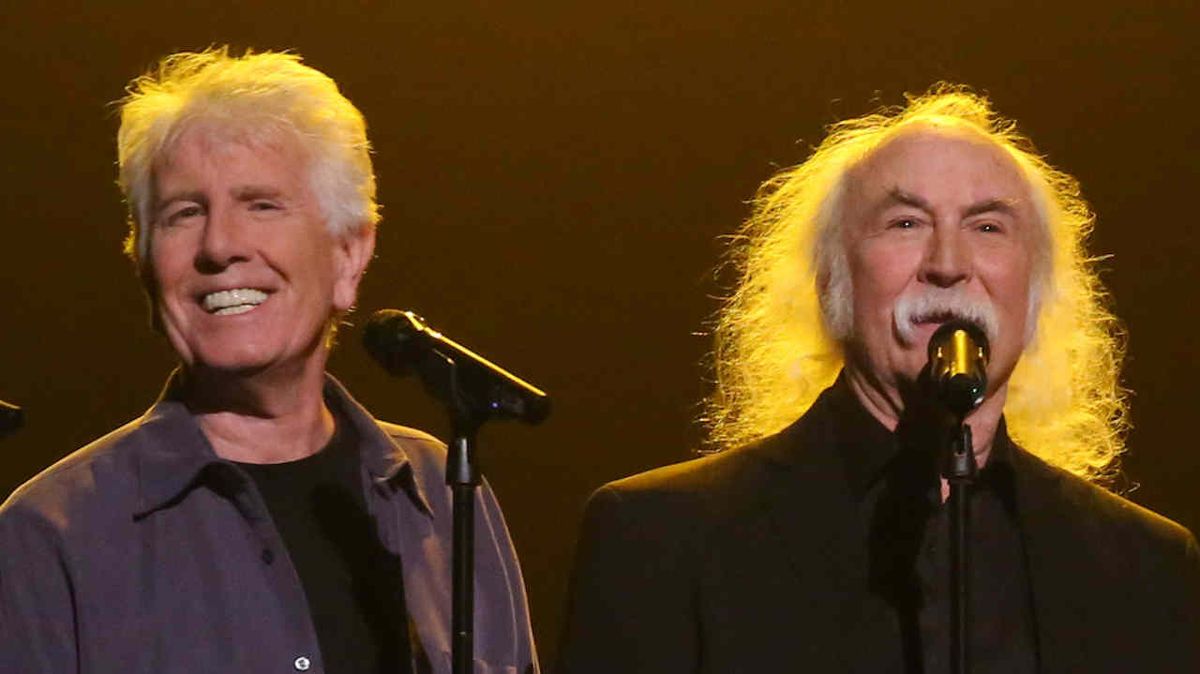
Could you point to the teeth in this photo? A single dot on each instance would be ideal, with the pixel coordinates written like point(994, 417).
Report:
point(234, 301)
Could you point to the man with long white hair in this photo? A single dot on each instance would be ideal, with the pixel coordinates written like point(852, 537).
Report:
point(817, 541)
point(256, 518)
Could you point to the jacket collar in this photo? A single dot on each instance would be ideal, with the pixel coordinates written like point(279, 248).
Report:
point(174, 455)
point(864, 447)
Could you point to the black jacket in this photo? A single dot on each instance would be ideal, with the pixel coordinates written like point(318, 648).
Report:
point(750, 561)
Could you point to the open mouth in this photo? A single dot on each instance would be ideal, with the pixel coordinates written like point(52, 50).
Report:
point(232, 301)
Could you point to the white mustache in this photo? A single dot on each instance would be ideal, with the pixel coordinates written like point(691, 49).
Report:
point(942, 304)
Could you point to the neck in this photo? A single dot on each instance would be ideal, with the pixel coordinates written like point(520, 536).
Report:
point(262, 417)
point(888, 404)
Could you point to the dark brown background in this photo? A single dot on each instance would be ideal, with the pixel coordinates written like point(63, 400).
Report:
point(556, 179)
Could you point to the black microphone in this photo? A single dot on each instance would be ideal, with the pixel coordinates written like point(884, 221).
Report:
point(403, 343)
point(11, 418)
point(958, 358)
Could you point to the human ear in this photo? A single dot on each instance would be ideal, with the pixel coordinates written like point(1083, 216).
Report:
point(352, 252)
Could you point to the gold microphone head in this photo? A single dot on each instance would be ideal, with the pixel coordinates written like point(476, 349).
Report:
point(958, 358)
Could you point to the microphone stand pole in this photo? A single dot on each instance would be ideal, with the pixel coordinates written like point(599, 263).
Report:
point(960, 469)
point(463, 477)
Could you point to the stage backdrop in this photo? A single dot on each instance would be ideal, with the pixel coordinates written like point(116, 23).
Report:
point(557, 179)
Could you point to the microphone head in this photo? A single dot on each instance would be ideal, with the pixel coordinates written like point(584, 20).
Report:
point(394, 339)
point(958, 357)
point(404, 344)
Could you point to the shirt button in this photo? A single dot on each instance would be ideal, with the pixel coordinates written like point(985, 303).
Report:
point(268, 557)
point(302, 664)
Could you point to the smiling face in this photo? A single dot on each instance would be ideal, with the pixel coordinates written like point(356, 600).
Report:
point(246, 274)
point(935, 221)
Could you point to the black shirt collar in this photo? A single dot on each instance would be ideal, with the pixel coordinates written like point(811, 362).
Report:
point(868, 449)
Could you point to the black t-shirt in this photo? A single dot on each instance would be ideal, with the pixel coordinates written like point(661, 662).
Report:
point(354, 585)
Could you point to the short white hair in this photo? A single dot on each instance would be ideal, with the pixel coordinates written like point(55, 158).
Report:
point(254, 97)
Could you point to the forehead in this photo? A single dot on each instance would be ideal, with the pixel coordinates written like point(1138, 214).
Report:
point(232, 155)
point(947, 166)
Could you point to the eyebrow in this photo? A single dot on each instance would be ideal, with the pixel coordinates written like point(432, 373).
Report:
point(251, 192)
point(1005, 206)
point(899, 196)
point(995, 205)
point(243, 193)
point(169, 199)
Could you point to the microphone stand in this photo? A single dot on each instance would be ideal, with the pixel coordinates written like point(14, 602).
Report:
point(463, 477)
point(960, 469)
point(958, 355)
point(474, 391)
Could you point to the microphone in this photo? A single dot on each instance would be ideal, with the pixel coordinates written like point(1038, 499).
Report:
point(11, 418)
point(958, 358)
point(403, 343)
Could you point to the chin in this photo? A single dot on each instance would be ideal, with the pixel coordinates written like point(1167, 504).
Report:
point(229, 367)
point(236, 359)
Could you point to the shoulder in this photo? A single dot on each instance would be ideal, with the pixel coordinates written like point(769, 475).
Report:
point(1099, 514)
point(705, 477)
point(86, 483)
point(422, 449)
point(655, 525)
point(801, 454)
point(722, 490)
point(801, 459)
point(69, 509)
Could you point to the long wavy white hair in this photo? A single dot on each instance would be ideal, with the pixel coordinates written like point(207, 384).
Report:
point(775, 352)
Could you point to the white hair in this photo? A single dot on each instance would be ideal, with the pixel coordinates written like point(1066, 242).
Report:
point(256, 97)
point(779, 336)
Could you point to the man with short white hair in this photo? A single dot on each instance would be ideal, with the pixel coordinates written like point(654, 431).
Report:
point(256, 518)
point(818, 542)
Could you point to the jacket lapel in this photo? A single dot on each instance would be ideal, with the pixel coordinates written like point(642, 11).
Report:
point(811, 510)
point(1059, 556)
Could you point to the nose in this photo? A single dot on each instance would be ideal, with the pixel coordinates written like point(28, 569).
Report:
point(223, 241)
point(947, 260)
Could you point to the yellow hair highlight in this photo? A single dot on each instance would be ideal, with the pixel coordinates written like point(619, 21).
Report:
point(774, 352)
